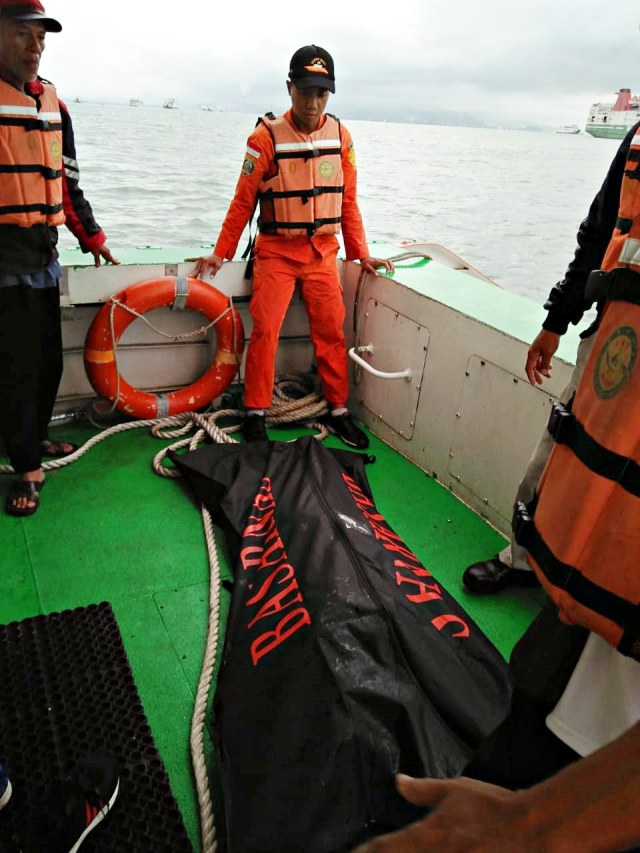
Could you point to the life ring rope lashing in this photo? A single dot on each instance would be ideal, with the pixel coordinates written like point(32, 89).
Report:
point(132, 303)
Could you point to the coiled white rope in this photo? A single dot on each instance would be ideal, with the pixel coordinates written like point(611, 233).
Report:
point(306, 407)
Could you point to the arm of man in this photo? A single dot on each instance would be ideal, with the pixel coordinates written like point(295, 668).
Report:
point(591, 806)
point(79, 217)
point(258, 159)
point(355, 241)
point(566, 302)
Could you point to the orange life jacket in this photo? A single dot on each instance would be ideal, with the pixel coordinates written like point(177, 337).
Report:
point(30, 158)
point(304, 197)
point(582, 530)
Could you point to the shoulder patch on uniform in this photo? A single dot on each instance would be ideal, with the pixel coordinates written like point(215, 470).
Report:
point(248, 166)
point(352, 155)
point(615, 362)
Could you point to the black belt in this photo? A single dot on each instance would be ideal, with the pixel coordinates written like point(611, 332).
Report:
point(618, 285)
point(624, 613)
point(566, 429)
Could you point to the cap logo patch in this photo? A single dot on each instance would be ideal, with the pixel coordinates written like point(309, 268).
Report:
point(317, 66)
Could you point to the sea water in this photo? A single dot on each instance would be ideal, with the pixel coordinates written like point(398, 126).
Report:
point(508, 202)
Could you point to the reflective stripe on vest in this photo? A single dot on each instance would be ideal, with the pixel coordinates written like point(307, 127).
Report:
point(31, 173)
point(630, 252)
point(304, 197)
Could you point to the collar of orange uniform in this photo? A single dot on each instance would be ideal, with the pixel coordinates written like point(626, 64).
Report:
point(289, 117)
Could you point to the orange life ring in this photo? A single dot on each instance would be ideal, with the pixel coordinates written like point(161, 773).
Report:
point(99, 351)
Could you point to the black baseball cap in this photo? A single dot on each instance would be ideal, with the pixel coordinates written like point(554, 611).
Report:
point(312, 66)
point(29, 10)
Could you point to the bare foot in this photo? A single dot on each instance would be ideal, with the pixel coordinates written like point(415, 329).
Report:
point(24, 494)
point(56, 448)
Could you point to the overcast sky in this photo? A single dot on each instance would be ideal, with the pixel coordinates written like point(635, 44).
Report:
point(544, 61)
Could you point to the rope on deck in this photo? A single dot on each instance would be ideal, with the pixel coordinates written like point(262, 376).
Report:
point(295, 400)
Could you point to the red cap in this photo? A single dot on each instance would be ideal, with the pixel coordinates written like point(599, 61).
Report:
point(29, 10)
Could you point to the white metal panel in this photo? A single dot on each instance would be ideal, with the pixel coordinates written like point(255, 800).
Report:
point(455, 337)
point(398, 343)
point(483, 466)
point(147, 360)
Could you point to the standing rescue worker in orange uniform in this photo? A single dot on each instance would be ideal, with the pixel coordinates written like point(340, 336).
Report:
point(39, 191)
point(300, 168)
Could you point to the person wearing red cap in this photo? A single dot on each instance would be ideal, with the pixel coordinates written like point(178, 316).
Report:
point(39, 192)
point(300, 169)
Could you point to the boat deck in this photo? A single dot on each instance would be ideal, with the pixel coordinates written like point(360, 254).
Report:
point(109, 529)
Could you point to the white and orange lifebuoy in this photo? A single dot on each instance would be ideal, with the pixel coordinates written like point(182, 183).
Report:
point(112, 320)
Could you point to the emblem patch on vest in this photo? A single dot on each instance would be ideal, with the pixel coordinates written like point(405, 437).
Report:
point(56, 151)
point(326, 169)
point(248, 166)
point(615, 362)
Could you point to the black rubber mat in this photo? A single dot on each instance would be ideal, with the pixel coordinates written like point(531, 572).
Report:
point(66, 689)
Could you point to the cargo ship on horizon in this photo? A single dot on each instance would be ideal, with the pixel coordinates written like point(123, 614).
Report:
point(612, 121)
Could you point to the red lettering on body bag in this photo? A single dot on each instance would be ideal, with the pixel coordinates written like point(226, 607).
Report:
point(392, 542)
point(270, 552)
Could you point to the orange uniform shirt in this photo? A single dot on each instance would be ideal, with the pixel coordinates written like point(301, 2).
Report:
point(259, 159)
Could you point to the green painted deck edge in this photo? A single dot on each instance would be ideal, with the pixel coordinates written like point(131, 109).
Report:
point(510, 313)
point(134, 257)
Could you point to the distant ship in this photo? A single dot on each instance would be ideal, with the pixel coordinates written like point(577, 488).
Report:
point(568, 128)
point(614, 120)
point(170, 104)
point(135, 102)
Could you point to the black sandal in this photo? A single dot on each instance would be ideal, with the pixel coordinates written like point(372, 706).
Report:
point(54, 449)
point(29, 489)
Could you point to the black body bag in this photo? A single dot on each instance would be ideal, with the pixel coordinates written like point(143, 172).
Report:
point(345, 661)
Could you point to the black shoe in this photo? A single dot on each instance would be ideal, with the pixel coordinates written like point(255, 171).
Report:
point(74, 807)
point(492, 575)
point(344, 427)
point(255, 428)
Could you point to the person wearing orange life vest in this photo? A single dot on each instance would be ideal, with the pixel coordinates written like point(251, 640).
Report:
point(300, 168)
point(566, 303)
point(560, 773)
point(582, 529)
point(40, 191)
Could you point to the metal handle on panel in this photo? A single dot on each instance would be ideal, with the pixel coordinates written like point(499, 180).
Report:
point(353, 355)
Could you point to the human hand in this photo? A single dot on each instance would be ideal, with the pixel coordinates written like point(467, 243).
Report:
point(103, 252)
point(212, 263)
point(538, 364)
point(468, 817)
point(370, 264)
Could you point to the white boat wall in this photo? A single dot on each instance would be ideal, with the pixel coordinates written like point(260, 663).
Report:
point(461, 409)
point(612, 121)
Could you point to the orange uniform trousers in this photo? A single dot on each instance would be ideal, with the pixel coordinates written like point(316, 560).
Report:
point(274, 280)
